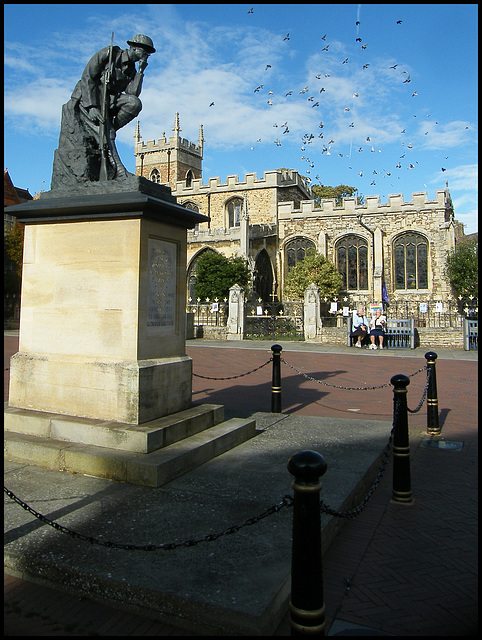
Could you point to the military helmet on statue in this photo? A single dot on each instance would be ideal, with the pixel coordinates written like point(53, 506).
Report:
point(142, 41)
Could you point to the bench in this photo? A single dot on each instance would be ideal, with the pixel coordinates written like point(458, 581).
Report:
point(399, 334)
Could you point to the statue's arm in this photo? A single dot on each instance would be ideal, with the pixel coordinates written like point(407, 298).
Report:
point(90, 82)
point(135, 86)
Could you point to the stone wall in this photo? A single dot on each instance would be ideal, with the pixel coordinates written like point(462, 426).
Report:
point(445, 338)
point(329, 222)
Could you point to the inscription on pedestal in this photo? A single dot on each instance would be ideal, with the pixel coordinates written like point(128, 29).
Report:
point(161, 286)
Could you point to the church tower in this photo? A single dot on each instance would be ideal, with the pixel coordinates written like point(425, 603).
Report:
point(170, 160)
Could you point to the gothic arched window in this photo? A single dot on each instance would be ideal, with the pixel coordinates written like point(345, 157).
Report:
point(191, 275)
point(234, 209)
point(410, 252)
point(193, 207)
point(189, 177)
point(295, 251)
point(352, 262)
point(155, 176)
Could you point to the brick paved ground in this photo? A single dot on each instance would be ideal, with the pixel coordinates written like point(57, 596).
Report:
point(404, 569)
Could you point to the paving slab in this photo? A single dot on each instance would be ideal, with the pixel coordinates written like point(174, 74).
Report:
point(237, 584)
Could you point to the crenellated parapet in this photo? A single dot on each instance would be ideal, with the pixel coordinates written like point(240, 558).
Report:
point(270, 179)
point(372, 205)
point(163, 144)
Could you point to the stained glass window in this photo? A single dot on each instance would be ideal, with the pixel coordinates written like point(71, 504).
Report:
point(296, 249)
point(234, 212)
point(352, 262)
point(411, 261)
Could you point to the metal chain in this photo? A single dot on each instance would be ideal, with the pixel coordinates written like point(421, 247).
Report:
point(286, 502)
point(238, 376)
point(381, 470)
point(335, 386)
point(424, 394)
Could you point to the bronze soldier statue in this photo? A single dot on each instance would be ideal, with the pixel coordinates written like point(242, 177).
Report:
point(105, 99)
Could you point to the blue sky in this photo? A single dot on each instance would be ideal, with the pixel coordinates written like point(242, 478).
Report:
point(388, 105)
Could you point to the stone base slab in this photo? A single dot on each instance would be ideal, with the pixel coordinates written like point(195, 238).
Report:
point(143, 438)
point(146, 469)
point(131, 392)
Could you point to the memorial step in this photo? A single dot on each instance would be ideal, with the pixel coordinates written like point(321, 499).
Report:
point(142, 438)
point(147, 469)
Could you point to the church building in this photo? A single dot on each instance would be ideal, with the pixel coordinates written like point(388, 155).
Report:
point(273, 220)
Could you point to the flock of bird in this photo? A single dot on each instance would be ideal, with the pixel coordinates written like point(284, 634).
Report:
point(315, 97)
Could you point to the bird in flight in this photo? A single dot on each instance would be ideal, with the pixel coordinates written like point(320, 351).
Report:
point(407, 80)
point(287, 37)
point(251, 10)
point(212, 104)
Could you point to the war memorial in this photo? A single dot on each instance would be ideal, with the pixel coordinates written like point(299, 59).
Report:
point(100, 421)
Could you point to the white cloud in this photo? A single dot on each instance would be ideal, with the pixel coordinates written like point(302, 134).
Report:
point(444, 136)
point(461, 178)
point(37, 105)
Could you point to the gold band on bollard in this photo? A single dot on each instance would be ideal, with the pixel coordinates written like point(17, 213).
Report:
point(400, 451)
point(305, 487)
point(402, 496)
point(318, 630)
point(308, 615)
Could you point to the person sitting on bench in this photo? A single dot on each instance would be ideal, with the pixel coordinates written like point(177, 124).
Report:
point(377, 328)
point(359, 326)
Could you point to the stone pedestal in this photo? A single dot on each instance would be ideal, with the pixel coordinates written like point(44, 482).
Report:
point(312, 318)
point(236, 313)
point(102, 325)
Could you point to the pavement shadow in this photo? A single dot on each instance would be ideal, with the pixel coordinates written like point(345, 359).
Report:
point(241, 401)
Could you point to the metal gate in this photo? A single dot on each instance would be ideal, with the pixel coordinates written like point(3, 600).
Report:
point(471, 335)
point(275, 320)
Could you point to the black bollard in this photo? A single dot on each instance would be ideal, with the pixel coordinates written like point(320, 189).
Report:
point(433, 427)
point(307, 605)
point(276, 383)
point(401, 490)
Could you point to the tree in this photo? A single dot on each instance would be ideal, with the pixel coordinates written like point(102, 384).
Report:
point(316, 269)
point(323, 192)
point(462, 269)
point(13, 260)
point(13, 242)
point(215, 274)
point(13, 246)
